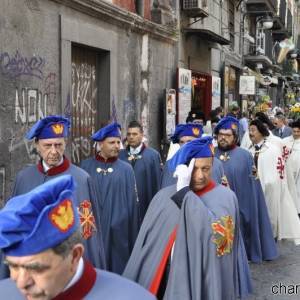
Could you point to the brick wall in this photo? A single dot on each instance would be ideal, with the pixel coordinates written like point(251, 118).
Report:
point(130, 6)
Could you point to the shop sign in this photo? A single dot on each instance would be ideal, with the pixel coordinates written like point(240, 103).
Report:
point(247, 85)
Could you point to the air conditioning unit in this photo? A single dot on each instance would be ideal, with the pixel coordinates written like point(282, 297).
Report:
point(195, 8)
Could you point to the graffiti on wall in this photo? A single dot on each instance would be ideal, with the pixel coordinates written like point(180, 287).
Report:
point(83, 87)
point(82, 104)
point(17, 140)
point(80, 145)
point(17, 65)
point(114, 114)
point(30, 103)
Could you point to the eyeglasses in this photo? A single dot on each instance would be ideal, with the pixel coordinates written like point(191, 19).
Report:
point(225, 135)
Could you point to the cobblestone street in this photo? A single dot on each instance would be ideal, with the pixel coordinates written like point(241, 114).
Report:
point(283, 274)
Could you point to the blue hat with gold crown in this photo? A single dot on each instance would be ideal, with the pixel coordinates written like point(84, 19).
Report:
point(197, 148)
point(39, 220)
point(190, 129)
point(49, 127)
point(227, 122)
point(111, 130)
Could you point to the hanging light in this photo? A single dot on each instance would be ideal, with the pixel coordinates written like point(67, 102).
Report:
point(267, 22)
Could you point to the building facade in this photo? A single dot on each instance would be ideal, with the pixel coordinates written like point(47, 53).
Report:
point(91, 60)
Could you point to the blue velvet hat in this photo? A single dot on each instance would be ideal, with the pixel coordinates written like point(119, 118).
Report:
point(49, 127)
point(111, 130)
point(197, 148)
point(190, 129)
point(227, 123)
point(39, 220)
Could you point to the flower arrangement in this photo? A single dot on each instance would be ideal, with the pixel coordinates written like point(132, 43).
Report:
point(295, 111)
point(264, 105)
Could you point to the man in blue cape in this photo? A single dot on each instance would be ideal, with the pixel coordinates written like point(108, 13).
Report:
point(146, 163)
point(241, 174)
point(183, 134)
point(117, 197)
point(196, 231)
point(42, 243)
point(50, 135)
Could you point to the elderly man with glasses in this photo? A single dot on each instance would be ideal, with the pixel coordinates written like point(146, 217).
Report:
point(238, 167)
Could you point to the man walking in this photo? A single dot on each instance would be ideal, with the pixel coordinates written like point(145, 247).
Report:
point(50, 135)
point(293, 161)
point(281, 129)
point(183, 229)
point(117, 198)
point(146, 163)
point(272, 174)
point(238, 167)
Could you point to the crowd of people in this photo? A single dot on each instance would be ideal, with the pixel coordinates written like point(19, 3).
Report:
point(124, 225)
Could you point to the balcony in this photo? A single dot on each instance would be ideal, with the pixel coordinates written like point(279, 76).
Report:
point(195, 8)
point(282, 28)
point(279, 18)
point(258, 7)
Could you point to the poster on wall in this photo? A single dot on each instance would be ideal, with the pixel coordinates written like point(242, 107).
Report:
point(184, 93)
point(247, 85)
point(216, 92)
point(170, 112)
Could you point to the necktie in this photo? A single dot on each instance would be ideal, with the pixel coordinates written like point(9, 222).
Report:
point(257, 148)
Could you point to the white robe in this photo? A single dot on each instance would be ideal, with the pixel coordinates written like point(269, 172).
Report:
point(278, 142)
point(293, 164)
point(282, 211)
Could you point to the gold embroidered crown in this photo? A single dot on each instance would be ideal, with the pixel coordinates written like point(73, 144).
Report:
point(58, 128)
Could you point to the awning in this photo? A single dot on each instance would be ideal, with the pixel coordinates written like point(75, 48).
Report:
point(208, 35)
point(258, 76)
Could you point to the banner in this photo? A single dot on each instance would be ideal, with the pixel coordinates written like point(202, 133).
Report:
point(184, 93)
point(216, 92)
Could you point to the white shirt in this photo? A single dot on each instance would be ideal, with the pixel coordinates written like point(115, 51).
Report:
point(136, 150)
point(46, 167)
point(77, 274)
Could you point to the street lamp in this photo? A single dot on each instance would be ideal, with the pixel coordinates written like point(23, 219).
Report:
point(266, 22)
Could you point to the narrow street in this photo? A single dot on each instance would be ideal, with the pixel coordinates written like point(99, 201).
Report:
point(283, 274)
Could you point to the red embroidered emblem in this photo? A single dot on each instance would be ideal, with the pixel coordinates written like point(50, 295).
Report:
point(285, 153)
point(87, 219)
point(223, 231)
point(62, 216)
point(280, 167)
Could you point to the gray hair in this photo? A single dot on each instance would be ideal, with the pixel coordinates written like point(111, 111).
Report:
point(63, 249)
point(280, 117)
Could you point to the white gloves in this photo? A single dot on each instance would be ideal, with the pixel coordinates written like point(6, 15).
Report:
point(184, 174)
